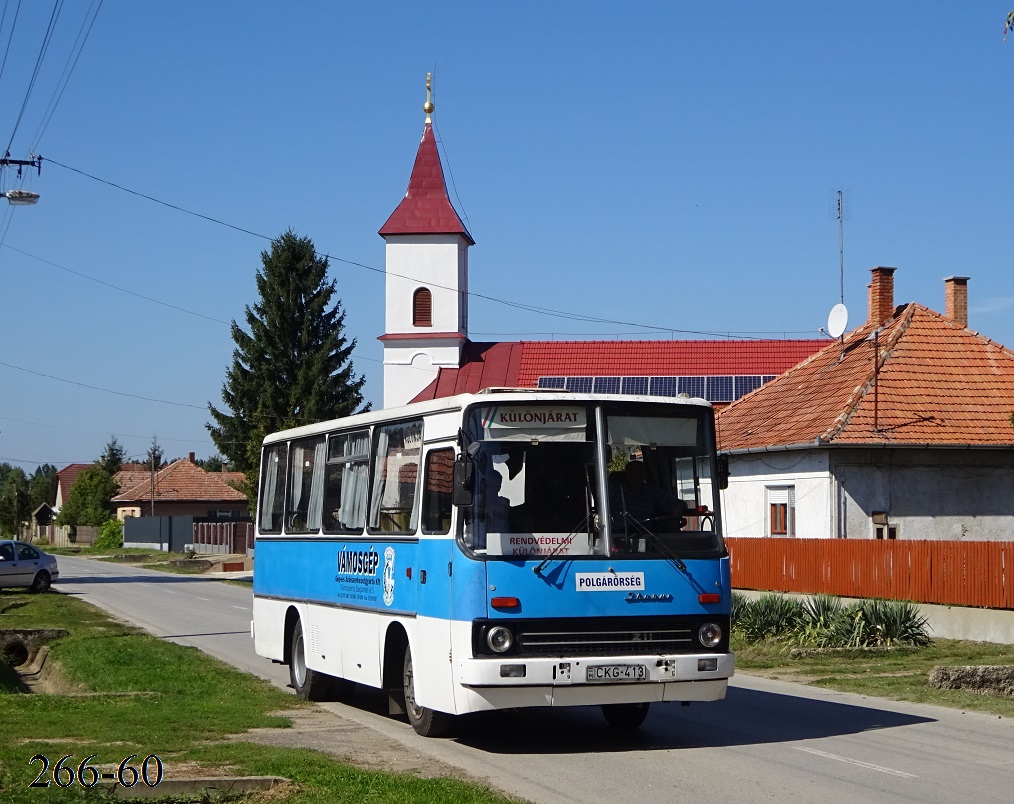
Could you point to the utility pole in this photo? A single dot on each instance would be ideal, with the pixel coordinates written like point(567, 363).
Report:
point(21, 197)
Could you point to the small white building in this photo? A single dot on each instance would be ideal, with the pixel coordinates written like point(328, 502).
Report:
point(901, 430)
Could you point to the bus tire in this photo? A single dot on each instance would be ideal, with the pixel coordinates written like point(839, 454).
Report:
point(625, 716)
point(426, 722)
point(310, 685)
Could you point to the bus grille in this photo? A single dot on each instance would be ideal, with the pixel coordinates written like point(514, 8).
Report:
point(615, 636)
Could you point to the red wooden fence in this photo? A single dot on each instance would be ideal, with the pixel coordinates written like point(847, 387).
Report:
point(979, 574)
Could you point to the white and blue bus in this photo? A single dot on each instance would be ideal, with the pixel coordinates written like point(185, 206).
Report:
point(498, 550)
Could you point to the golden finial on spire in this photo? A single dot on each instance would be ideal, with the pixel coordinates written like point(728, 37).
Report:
point(428, 106)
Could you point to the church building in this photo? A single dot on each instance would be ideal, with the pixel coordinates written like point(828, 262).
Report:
point(428, 354)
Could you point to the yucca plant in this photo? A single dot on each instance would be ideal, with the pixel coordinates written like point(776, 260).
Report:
point(818, 623)
point(740, 603)
point(895, 622)
point(769, 615)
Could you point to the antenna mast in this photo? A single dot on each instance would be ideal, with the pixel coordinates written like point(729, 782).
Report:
point(841, 246)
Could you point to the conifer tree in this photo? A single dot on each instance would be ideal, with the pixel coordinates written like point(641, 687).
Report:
point(292, 365)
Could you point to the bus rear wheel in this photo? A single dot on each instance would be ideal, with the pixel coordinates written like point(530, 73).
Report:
point(312, 685)
point(625, 716)
point(426, 722)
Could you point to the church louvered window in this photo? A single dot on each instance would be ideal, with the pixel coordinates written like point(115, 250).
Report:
point(422, 308)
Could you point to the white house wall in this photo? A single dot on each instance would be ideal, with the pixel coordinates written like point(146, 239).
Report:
point(745, 502)
point(928, 494)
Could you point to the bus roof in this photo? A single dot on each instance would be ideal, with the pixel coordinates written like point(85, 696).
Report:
point(488, 396)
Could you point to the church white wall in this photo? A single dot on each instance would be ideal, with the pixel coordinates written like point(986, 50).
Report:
point(436, 262)
point(410, 367)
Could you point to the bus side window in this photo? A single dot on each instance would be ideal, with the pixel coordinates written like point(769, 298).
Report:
point(437, 486)
point(272, 496)
point(346, 482)
point(306, 485)
point(394, 504)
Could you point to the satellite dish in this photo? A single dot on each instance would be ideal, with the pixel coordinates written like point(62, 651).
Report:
point(837, 320)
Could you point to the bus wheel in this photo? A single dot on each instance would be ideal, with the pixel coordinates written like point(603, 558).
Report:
point(427, 722)
point(625, 716)
point(310, 685)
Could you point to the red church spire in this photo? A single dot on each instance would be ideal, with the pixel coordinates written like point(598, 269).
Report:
point(426, 209)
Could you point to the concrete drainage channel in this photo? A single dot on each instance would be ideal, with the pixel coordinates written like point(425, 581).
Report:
point(26, 650)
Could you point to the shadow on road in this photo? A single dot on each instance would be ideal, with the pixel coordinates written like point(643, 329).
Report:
point(745, 717)
point(158, 577)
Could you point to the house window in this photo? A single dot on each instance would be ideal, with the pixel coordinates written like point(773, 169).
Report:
point(885, 531)
point(781, 510)
point(422, 308)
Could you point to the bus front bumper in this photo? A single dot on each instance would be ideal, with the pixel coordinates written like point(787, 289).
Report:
point(677, 671)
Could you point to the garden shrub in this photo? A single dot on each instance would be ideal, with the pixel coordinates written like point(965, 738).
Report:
point(110, 535)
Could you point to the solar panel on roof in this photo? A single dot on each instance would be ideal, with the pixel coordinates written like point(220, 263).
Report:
point(746, 384)
point(552, 382)
point(635, 385)
point(607, 385)
point(662, 386)
point(580, 385)
point(692, 386)
point(719, 389)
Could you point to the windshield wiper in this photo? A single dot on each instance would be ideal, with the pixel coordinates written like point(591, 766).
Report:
point(583, 525)
point(660, 546)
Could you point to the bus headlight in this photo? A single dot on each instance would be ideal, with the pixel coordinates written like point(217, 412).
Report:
point(710, 634)
point(499, 639)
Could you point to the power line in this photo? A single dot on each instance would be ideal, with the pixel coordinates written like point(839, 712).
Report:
point(68, 70)
point(57, 6)
point(547, 311)
point(98, 388)
point(114, 287)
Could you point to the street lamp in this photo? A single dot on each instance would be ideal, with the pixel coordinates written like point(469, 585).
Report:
point(21, 198)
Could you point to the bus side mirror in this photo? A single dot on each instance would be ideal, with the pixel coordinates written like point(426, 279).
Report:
point(463, 482)
point(723, 471)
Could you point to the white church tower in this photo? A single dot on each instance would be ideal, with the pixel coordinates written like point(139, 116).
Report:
point(426, 322)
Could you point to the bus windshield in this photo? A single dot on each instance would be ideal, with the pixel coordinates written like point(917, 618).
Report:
point(622, 479)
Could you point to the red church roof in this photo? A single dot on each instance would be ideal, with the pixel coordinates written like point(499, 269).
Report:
point(426, 209)
point(521, 364)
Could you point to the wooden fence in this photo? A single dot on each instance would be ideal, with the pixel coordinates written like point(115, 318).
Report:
point(979, 574)
point(224, 537)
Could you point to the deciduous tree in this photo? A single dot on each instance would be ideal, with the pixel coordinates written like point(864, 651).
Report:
point(89, 501)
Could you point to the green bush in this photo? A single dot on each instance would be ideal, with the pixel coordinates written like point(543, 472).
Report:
point(110, 535)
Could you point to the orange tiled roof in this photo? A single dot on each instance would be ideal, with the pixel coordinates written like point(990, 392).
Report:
point(183, 481)
point(934, 383)
point(131, 474)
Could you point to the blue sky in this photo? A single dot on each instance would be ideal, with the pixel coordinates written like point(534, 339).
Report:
point(669, 165)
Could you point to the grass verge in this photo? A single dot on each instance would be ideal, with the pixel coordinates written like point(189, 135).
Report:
point(895, 674)
point(126, 692)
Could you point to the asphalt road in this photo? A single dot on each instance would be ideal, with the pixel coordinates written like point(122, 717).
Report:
point(768, 741)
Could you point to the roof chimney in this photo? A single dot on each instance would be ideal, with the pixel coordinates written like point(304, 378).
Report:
point(881, 306)
point(956, 299)
point(191, 457)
